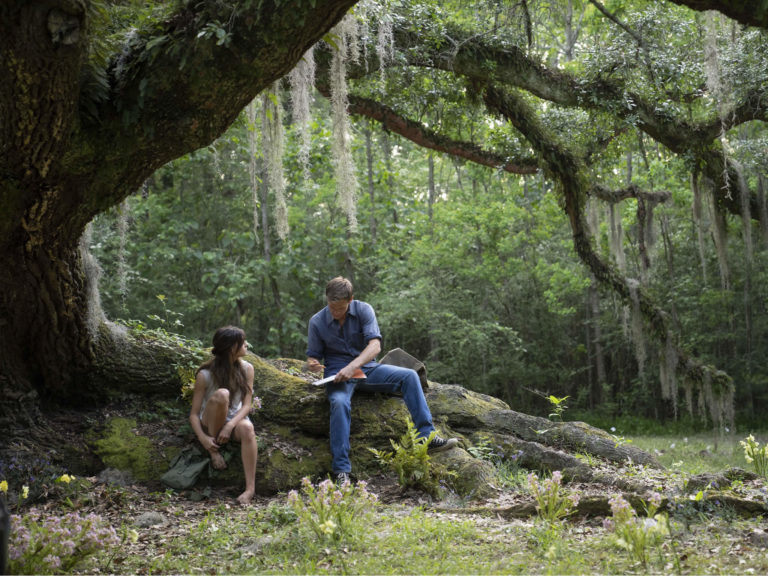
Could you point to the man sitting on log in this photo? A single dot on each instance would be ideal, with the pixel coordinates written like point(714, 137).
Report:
point(345, 334)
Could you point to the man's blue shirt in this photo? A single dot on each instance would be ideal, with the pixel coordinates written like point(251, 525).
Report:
point(339, 345)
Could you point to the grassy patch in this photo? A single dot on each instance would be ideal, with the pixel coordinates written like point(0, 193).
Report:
point(215, 536)
point(695, 454)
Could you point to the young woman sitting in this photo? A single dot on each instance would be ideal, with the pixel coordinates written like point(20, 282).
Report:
point(222, 401)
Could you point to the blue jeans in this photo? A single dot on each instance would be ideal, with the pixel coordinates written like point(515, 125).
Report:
point(380, 378)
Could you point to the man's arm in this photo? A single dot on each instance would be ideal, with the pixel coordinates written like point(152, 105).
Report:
point(315, 347)
point(369, 353)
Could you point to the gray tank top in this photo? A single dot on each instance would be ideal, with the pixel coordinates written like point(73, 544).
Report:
point(235, 400)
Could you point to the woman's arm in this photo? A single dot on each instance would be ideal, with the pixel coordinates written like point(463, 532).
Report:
point(208, 442)
point(226, 430)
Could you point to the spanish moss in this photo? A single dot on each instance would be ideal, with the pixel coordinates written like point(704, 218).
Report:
point(638, 337)
point(385, 43)
point(720, 237)
point(346, 180)
point(302, 79)
point(763, 206)
point(272, 134)
point(253, 168)
point(122, 232)
point(699, 224)
point(94, 313)
point(668, 372)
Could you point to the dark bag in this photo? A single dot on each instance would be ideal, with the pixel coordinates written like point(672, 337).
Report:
point(399, 357)
point(186, 468)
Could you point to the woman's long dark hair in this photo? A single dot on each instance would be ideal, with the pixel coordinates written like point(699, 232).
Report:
point(227, 374)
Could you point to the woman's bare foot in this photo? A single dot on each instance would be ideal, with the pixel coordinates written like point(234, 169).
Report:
point(217, 460)
point(246, 497)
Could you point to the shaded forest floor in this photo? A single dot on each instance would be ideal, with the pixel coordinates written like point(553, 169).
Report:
point(408, 534)
point(164, 531)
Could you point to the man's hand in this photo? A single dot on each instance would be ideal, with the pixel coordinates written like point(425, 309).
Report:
point(313, 365)
point(345, 373)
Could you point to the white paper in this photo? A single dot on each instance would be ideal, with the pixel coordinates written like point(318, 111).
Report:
point(359, 374)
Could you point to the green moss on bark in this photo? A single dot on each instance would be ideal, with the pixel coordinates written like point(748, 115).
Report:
point(121, 447)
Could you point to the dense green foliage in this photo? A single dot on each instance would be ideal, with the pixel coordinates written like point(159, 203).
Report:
point(473, 269)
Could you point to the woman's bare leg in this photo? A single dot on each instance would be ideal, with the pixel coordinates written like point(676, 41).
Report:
point(213, 420)
point(249, 452)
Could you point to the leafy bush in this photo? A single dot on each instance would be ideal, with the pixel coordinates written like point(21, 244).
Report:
point(551, 504)
point(331, 511)
point(755, 455)
point(637, 535)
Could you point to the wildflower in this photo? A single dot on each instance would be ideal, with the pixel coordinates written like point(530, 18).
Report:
point(613, 428)
point(655, 499)
point(328, 527)
point(649, 524)
point(133, 535)
point(4, 486)
point(66, 478)
point(25, 492)
point(52, 561)
point(257, 402)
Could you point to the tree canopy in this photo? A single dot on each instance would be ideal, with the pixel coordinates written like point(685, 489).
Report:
point(570, 97)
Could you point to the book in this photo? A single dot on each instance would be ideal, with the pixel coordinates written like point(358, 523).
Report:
point(358, 374)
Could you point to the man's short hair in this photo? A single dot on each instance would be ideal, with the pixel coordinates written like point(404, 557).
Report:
point(338, 288)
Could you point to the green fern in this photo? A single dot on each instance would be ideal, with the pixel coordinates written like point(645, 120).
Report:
point(410, 461)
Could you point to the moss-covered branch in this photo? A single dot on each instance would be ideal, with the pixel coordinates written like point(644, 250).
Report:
point(752, 13)
point(715, 386)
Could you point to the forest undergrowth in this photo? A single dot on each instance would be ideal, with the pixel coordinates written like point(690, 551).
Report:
point(377, 527)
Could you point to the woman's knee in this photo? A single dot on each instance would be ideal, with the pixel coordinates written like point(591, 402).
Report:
point(245, 431)
point(220, 396)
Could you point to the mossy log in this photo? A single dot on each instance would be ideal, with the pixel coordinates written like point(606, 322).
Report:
point(292, 430)
point(292, 427)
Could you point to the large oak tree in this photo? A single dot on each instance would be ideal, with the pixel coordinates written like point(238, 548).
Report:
point(89, 108)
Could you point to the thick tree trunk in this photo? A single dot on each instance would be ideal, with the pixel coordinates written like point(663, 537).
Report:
point(56, 343)
point(46, 322)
